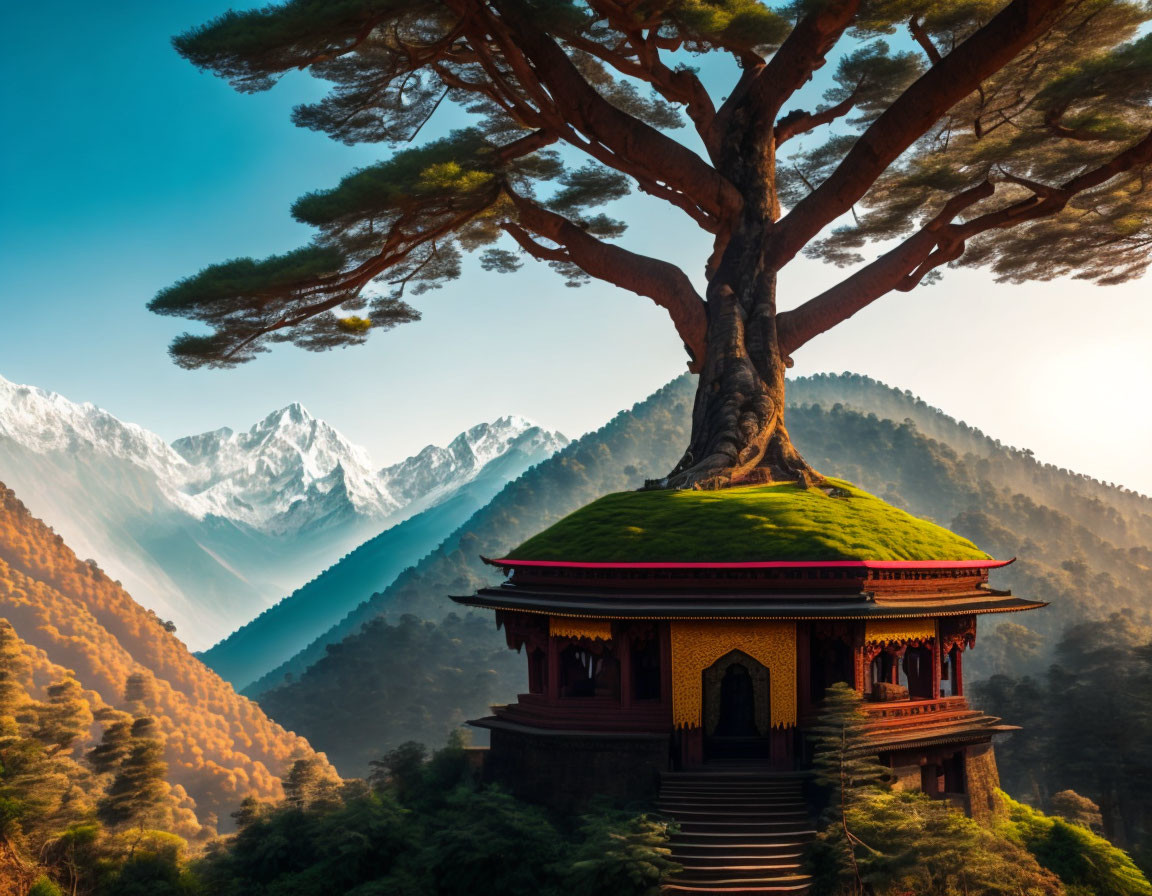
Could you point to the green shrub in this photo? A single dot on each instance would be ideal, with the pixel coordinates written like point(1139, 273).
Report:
point(1087, 864)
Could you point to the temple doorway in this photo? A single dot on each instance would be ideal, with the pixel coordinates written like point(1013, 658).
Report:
point(737, 704)
point(737, 708)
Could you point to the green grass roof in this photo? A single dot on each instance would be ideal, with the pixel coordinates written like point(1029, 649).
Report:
point(760, 522)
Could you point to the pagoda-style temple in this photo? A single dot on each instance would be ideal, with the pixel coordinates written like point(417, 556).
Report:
point(641, 666)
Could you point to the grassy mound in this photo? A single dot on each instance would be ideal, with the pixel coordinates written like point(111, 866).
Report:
point(761, 522)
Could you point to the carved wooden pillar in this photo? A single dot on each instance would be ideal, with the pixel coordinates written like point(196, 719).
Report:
point(804, 667)
point(624, 657)
point(958, 686)
point(553, 683)
point(936, 659)
point(665, 635)
point(859, 659)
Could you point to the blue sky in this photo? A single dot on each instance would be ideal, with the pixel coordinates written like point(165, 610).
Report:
point(125, 169)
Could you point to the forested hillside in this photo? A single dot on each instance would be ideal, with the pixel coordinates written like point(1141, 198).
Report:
point(1081, 544)
point(1086, 726)
point(219, 746)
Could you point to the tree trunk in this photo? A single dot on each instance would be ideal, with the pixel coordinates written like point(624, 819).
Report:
point(738, 432)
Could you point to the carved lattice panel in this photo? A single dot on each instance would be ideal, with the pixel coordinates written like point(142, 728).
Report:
point(697, 645)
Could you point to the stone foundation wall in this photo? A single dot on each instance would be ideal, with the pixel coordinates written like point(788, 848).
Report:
point(983, 781)
point(566, 771)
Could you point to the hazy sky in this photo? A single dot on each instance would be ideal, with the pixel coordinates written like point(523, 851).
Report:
point(124, 169)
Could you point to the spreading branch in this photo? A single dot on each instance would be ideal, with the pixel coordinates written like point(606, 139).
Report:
point(924, 39)
point(800, 122)
point(943, 240)
point(635, 148)
point(804, 51)
point(663, 283)
point(908, 118)
point(1058, 82)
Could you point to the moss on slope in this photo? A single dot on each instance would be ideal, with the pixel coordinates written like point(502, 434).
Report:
point(762, 522)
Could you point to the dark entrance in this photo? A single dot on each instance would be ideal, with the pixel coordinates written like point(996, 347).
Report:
point(737, 704)
point(737, 718)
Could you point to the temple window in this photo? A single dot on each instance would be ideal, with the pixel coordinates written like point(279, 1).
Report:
point(577, 672)
point(918, 668)
point(885, 668)
point(584, 674)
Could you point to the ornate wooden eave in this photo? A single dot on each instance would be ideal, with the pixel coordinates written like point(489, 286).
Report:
point(611, 604)
point(786, 590)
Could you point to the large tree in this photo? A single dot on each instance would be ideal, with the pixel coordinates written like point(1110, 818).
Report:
point(1014, 136)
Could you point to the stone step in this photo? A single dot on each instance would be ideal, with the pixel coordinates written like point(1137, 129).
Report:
point(737, 813)
point(760, 769)
point(800, 813)
point(735, 849)
point(739, 791)
point(702, 864)
point(735, 798)
point(742, 830)
point(734, 790)
point(793, 836)
point(741, 827)
point(743, 886)
point(761, 792)
point(736, 869)
point(728, 782)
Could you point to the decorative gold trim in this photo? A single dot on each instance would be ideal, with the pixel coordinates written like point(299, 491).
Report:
point(697, 645)
point(594, 629)
point(895, 631)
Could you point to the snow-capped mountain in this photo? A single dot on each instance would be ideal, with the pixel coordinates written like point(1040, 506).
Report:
point(211, 530)
point(47, 423)
point(435, 471)
point(286, 473)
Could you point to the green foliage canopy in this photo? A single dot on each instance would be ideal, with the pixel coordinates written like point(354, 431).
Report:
point(1014, 136)
point(1084, 861)
point(428, 826)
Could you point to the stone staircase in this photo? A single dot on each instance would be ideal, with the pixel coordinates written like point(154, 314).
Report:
point(743, 830)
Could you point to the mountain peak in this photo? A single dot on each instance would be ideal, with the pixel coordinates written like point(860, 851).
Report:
point(293, 413)
point(435, 470)
point(289, 460)
point(47, 422)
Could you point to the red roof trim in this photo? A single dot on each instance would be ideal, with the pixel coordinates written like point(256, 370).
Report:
point(762, 564)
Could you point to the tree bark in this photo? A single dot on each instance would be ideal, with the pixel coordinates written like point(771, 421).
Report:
point(738, 432)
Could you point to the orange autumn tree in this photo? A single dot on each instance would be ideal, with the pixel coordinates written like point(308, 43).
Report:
point(1015, 136)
